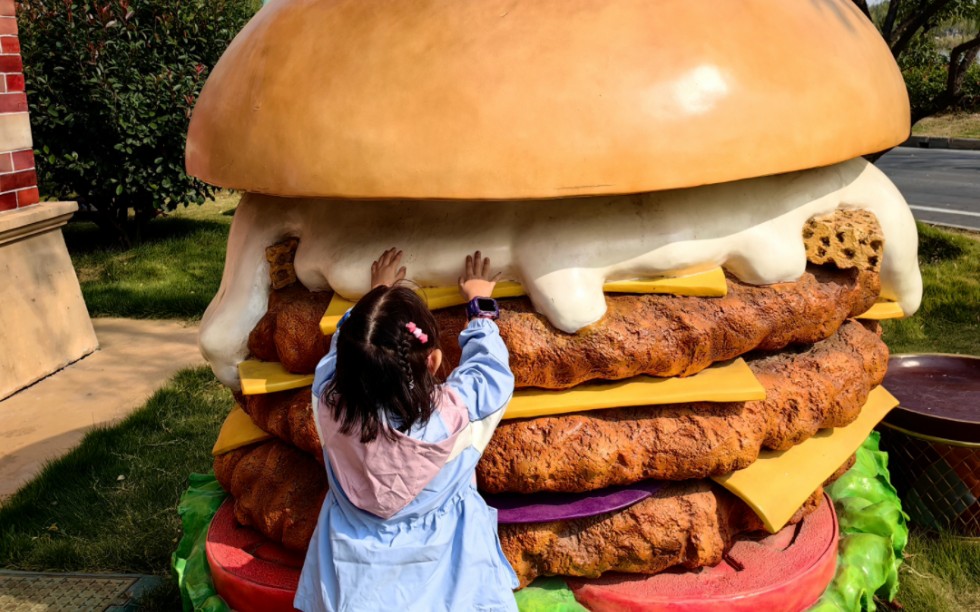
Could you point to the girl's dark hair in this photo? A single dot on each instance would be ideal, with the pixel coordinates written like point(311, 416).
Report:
point(382, 382)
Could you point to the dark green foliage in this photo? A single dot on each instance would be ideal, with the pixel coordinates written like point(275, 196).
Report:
point(936, 43)
point(111, 84)
point(925, 67)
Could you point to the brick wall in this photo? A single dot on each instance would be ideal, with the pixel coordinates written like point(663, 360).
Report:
point(18, 181)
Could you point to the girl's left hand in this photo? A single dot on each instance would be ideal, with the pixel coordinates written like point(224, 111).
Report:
point(385, 271)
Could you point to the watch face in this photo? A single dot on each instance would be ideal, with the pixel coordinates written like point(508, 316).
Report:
point(486, 304)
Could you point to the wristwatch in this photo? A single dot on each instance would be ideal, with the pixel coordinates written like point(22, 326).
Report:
point(483, 308)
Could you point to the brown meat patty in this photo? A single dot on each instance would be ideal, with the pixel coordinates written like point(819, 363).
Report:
point(667, 335)
point(824, 385)
point(658, 335)
point(690, 524)
point(277, 490)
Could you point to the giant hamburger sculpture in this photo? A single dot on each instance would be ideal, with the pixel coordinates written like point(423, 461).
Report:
point(676, 187)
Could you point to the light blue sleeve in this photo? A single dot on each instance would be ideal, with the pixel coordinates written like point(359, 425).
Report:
point(328, 364)
point(483, 379)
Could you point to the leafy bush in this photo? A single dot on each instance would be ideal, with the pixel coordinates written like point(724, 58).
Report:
point(924, 68)
point(111, 84)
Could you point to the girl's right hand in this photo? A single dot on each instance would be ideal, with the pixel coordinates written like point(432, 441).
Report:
point(476, 280)
point(387, 269)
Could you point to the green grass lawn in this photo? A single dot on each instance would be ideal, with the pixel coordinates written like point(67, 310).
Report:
point(171, 274)
point(949, 319)
point(952, 125)
point(941, 573)
point(110, 504)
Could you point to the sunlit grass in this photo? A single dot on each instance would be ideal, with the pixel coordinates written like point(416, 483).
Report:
point(110, 504)
point(949, 319)
point(941, 573)
point(952, 125)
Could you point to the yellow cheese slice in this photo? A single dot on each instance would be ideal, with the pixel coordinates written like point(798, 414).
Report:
point(710, 283)
point(237, 431)
point(778, 483)
point(884, 310)
point(731, 381)
point(260, 377)
point(705, 284)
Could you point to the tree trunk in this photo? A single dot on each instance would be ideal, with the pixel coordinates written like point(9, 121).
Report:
point(114, 221)
point(899, 35)
point(960, 59)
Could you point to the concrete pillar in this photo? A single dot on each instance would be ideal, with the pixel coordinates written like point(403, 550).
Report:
point(44, 324)
point(18, 182)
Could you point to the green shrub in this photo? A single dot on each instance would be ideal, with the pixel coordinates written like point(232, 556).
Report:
point(111, 84)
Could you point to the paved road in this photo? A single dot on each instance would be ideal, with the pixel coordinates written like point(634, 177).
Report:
point(942, 186)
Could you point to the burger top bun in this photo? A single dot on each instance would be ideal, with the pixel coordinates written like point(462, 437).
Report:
point(500, 99)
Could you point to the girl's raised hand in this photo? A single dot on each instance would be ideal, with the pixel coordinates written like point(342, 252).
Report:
point(385, 271)
point(476, 280)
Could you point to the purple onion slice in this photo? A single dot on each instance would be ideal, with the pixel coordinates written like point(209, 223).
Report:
point(542, 507)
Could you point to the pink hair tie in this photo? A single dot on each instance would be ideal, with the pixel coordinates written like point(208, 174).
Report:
point(415, 331)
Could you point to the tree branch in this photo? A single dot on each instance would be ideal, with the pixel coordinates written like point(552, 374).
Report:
point(863, 7)
point(888, 27)
point(907, 29)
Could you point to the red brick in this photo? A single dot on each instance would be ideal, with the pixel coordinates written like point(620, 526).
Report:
point(11, 63)
point(23, 160)
point(15, 82)
point(9, 44)
point(26, 197)
point(8, 201)
point(8, 25)
point(6, 162)
point(13, 103)
point(7, 8)
point(17, 180)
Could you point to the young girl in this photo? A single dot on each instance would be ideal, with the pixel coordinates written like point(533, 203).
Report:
point(402, 527)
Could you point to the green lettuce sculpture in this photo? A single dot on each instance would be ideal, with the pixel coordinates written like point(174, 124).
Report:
point(873, 535)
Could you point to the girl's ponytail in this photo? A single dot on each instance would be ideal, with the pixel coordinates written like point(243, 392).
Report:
point(404, 357)
point(382, 383)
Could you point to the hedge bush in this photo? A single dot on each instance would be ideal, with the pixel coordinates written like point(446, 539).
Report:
point(110, 85)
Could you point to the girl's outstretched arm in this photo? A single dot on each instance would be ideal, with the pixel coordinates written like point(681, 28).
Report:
point(483, 378)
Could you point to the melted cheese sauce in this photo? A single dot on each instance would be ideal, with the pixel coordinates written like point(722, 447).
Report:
point(562, 251)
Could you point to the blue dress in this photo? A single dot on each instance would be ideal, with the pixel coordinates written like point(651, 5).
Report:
point(403, 526)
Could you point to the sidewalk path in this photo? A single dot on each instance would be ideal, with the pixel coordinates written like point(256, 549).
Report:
point(43, 421)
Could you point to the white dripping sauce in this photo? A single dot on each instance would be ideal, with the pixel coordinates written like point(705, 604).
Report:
point(562, 251)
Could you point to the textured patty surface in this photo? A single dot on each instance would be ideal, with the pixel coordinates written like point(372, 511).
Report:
point(824, 385)
point(808, 388)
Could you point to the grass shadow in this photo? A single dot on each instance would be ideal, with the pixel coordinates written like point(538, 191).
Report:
point(85, 237)
point(172, 273)
point(936, 246)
